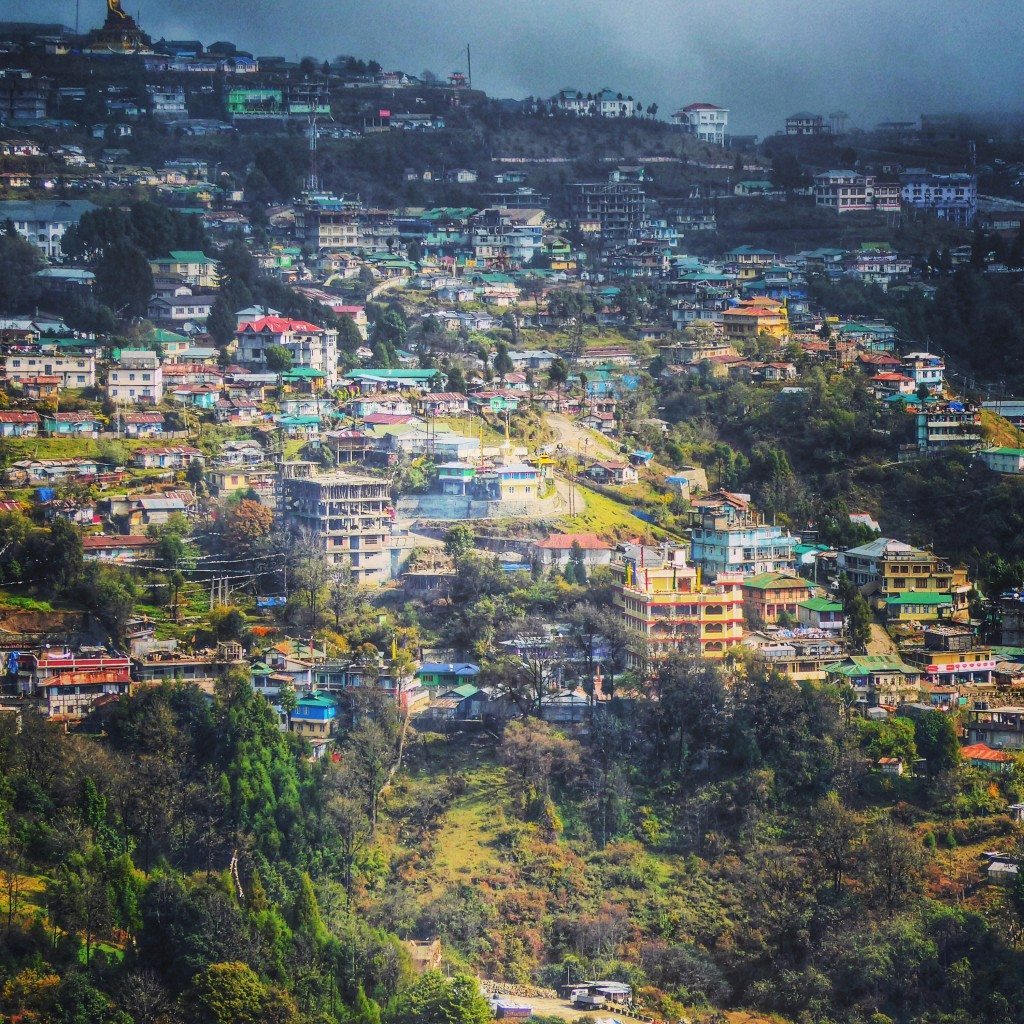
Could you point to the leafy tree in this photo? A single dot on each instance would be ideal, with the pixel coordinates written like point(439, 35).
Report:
point(895, 863)
point(19, 261)
point(220, 324)
point(503, 365)
point(124, 280)
point(434, 999)
point(278, 358)
point(349, 336)
point(229, 993)
point(458, 541)
point(936, 741)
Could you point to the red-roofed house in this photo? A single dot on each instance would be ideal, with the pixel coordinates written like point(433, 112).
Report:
point(313, 347)
point(705, 120)
point(613, 472)
point(17, 423)
point(442, 403)
point(143, 424)
point(117, 549)
point(174, 457)
point(980, 755)
point(556, 549)
point(71, 696)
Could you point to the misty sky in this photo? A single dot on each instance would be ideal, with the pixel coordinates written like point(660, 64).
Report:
point(763, 59)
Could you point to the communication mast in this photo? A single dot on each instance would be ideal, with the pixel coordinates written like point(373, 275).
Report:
point(311, 99)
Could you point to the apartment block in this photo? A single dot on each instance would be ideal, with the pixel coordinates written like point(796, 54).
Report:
point(137, 379)
point(347, 517)
point(74, 371)
point(664, 598)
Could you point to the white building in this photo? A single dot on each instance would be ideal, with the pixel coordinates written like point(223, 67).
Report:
point(846, 191)
point(137, 378)
point(75, 371)
point(507, 236)
point(926, 369)
point(43, 222)
point(167, 103)
point(1003, 460)
point(952, 197)
point(313, 347)
point(708, 122)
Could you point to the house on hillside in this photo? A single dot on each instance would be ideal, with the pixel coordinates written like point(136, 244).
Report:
point(556, 549)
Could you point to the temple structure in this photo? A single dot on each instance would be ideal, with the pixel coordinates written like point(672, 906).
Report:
point(120, 34)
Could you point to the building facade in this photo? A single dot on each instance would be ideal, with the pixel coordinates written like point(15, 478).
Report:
point(348, 517)
point(708, 122)
point(137, 379)
point(663, 598)
point(849, 191)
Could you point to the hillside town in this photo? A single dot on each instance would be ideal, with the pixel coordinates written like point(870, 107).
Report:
point(663, 480)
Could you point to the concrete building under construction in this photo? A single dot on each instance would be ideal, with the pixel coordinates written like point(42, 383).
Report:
point(348, 517)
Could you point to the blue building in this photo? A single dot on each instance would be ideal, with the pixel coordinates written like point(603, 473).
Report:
point(741, 543)
point(315, 719)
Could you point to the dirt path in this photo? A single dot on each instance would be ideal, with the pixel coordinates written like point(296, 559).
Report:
point(579, 440)
point(881, 642)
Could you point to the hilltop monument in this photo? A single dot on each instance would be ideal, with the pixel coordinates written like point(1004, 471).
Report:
point(120, 33)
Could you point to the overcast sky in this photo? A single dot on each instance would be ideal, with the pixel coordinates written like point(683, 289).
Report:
point(763, 59)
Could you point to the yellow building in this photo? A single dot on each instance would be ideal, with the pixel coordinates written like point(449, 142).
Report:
point(663, 598)
point(756, 316)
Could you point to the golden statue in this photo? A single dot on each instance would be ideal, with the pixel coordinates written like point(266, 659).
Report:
point(114, 8)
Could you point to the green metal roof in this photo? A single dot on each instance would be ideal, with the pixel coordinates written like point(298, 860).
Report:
point(774, 580)
point(393, 374)
point(922, 597)
point(820, 604)
point(303, 373)
point(862, 664)
point(1004, 451)
point(465, 690)
point(319, 700)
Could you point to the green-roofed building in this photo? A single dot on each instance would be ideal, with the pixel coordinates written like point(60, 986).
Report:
point(371, 380)
point(877, 679)
point(769, 596)
point(918, 606)
point(820, 613)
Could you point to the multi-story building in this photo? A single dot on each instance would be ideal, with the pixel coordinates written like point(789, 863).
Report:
point(878, 679)
point(800, 654)
point(952, 655)
point(805, 123)
point(76, 370)
point(315, 718)
point(194, 268)
point(507, 237)
point(886, 567)
point(1003, 460)
point(605, 103)
point(137, 378)
point(22, 95)
point(328, 222)
point(255, 104)
point(663, 597)
point(167, 102)
point(770, 595)
point(848, 191)
point(315, 348)
point(708, 122)
point(743, 544)
point(612, 209)
point(750, 318)
point(347, 517)
point(926, 369)
point(952, 197)
point(43, 222)
point(945, 425)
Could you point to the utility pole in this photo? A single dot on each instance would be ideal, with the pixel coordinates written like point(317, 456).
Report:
point(469, 67)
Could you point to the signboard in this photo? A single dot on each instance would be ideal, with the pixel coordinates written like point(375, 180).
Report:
point(961, 666)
